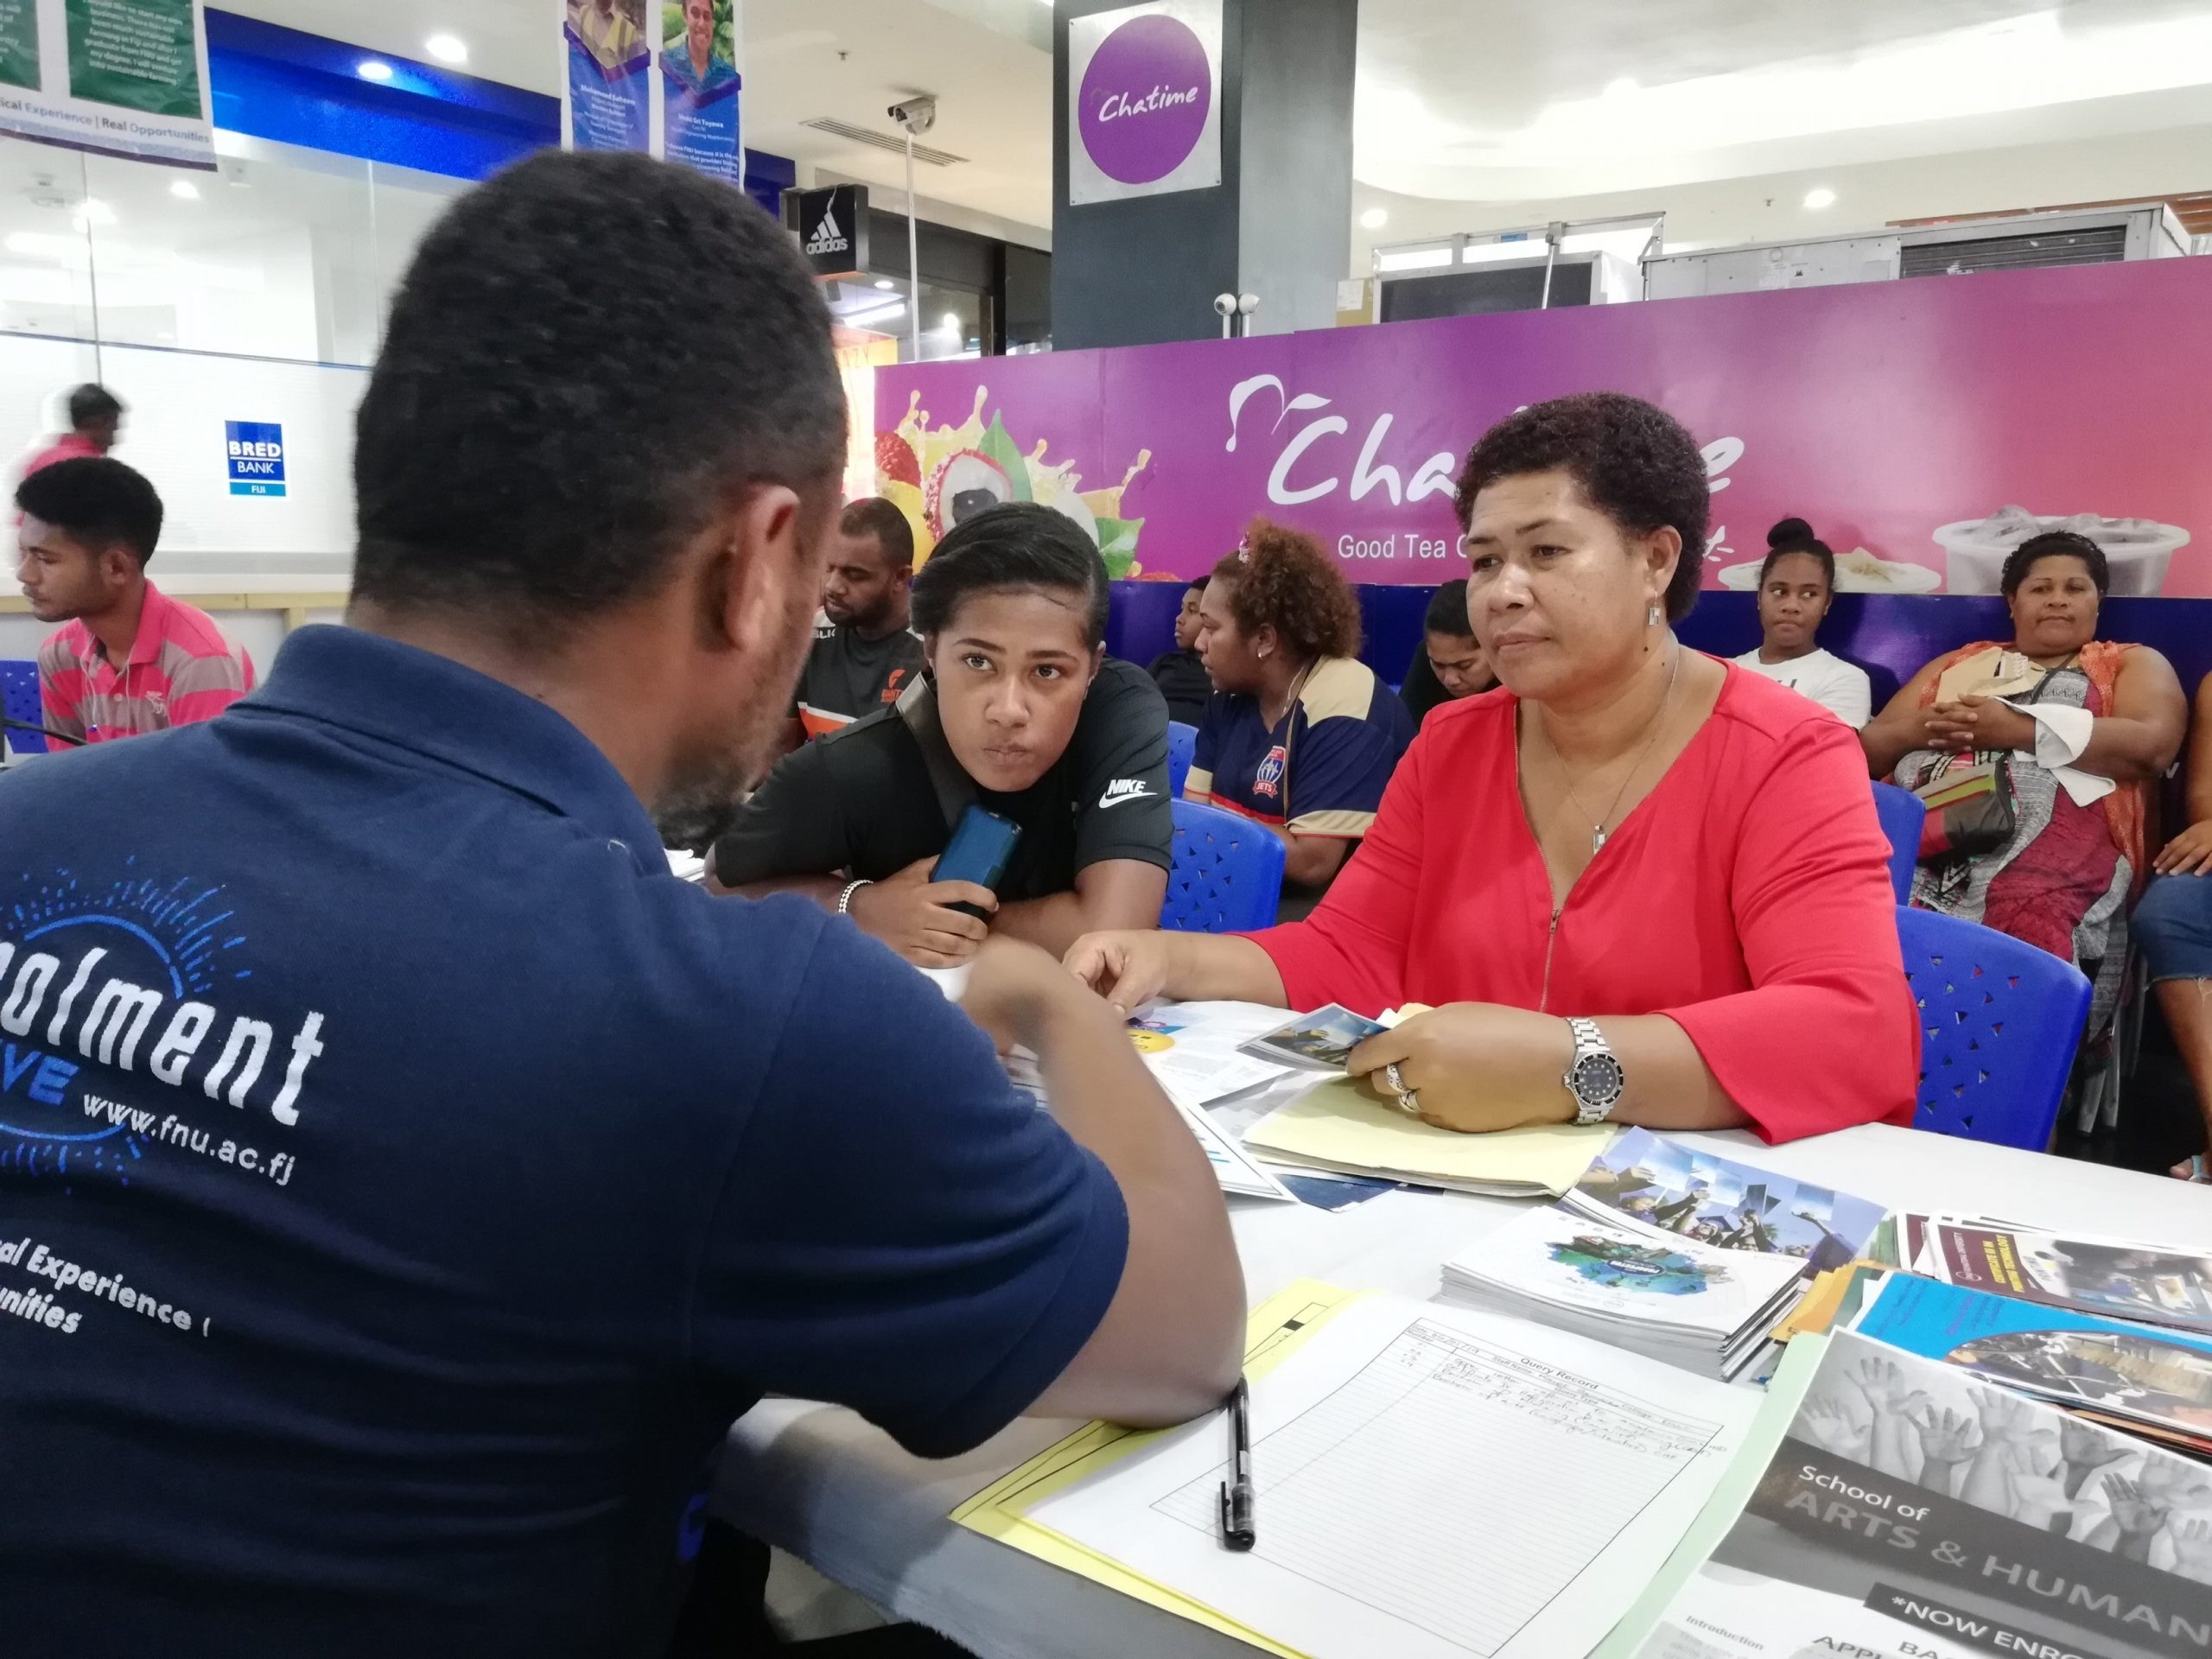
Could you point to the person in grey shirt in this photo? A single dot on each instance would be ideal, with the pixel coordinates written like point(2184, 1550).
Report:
point(865, 657)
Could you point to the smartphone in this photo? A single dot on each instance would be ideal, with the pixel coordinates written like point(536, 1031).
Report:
point(982, 845)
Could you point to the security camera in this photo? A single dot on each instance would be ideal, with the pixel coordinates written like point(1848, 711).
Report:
point(917, 115)
point(1247, 303)
point(1224, 305)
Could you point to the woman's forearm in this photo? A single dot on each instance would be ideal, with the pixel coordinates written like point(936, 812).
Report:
point(1219, 968)
point(1669, 1086)
point(2128, 751)
point(1884, 746)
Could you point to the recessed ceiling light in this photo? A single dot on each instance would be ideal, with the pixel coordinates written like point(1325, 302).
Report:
point(950, 323)
point(184, 190)
point(884, 282)
point(1375, 218)
point(1821, 198)
point(373, 69)
point(447, 48)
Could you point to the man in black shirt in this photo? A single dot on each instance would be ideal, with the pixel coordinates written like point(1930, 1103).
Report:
point(865, 657)
point(1181, 674)
point(1021, 713)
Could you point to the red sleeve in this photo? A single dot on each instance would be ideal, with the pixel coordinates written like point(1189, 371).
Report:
point(60, 691)
point(1827, 1036)
point(1352, 949)
point(206, 686)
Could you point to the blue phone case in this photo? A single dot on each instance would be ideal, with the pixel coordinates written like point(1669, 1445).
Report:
point(982, 845)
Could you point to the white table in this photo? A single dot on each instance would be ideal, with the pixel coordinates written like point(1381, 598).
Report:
point(818, 1482)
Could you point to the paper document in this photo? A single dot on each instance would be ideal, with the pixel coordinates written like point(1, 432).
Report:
point(1194, 1049)
point(1236, 1173)
point(1431, 1484)
point(1337, 1127)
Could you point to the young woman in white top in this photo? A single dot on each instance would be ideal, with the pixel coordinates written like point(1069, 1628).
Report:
point(1797, 586)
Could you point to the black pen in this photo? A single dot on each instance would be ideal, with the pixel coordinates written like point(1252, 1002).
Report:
point(1237, 1530)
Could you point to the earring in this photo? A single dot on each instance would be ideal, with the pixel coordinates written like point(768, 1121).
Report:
point(1651, 616)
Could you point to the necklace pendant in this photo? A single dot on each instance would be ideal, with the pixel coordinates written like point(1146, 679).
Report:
point(1597, 843)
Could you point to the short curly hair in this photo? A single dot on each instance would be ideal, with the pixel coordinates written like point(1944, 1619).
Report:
point(1281, 579)
point(2051, 544)
point(1635, 462)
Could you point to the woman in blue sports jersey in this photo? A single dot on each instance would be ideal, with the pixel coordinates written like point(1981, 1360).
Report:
point(1300, 735)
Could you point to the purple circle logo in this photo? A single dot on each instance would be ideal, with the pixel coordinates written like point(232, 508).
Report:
point(1145, 99)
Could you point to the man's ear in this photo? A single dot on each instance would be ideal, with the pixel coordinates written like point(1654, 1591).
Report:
point(763, 552)
point(118, 564)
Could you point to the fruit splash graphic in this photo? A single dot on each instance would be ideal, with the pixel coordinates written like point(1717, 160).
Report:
point(939, 479)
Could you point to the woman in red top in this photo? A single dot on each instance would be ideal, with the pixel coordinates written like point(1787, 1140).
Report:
point(1634, 882)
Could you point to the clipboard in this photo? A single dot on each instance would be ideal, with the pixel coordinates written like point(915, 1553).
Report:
point(1000, 1512)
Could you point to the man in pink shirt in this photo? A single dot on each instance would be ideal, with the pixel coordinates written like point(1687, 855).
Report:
point(128, 659)
point(95, 422)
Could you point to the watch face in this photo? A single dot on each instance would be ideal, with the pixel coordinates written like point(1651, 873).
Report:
point(1596, 1080)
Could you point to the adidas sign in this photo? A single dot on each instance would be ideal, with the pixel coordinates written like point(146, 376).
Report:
point(828, 238)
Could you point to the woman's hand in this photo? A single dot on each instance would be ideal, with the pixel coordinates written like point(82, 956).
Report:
point(910, 913)
point(1475, 1066)
point(2188, 853)
point(1980, 723)
point(1128, 969)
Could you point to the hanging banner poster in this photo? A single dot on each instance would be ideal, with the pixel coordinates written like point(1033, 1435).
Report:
point(123, 77)
point(700, 85)
point(1954, 417)
point(607, 91)
point(19, 44)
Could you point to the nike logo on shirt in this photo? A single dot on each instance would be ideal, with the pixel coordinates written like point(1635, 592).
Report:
point(1124, 790)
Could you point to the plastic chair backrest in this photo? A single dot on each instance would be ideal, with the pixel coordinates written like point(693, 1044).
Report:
point(19, 699)
point(1228, 873)
point(1182, 744)
point(1999, 1023)
point(1901, 813)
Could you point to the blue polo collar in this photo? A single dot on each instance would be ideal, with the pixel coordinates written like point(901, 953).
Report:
point(416, 700)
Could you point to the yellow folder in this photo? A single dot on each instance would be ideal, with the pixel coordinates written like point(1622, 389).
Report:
point(1338, 1126)
point(1001, 1510)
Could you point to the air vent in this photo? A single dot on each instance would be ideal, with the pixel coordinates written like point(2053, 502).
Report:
point(897, 146)
point(2105, 245)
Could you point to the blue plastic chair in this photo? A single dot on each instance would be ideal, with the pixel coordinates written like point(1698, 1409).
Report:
point(1999, 1023)
point(1182, 744)
point(1227, 876)
point(19, 701)
point(1901, 814)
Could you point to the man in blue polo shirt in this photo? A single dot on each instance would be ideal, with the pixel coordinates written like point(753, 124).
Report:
point(405, 1180)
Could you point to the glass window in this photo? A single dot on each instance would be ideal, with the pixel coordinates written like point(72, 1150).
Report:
point(272, 256)
point(46, 254)
point(956, 321)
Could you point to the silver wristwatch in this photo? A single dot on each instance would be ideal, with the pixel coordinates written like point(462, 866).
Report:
point(1593, 1076)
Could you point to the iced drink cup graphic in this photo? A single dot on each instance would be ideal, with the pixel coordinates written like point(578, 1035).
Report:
point(2138, 551)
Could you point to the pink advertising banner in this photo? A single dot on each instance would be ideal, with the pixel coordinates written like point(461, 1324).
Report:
point(1923, 427)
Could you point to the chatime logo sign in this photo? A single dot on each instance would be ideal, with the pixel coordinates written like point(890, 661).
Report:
point(1144, 100)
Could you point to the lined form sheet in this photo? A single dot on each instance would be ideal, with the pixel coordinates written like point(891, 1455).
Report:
point(1431, 1481)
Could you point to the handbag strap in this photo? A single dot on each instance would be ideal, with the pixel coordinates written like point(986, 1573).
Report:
point(955, 790)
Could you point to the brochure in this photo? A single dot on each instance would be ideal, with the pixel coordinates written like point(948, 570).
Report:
point(2115, 1278)
point(1912, 1511)
point(1672, 1187)
point(2149, 1380)
point(1671, 1298)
